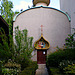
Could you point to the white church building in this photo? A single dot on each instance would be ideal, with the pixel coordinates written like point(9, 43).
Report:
point(55, 23)
point(68, 6)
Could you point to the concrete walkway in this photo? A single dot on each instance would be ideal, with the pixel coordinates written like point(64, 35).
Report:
point(42, 70)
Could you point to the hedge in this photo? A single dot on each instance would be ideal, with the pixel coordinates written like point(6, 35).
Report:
point(55, 71)
point(55, 58)
point(30, 70)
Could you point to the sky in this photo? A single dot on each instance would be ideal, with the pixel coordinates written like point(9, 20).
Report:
point(23, 4)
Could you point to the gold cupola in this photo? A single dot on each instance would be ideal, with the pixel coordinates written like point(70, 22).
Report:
point(41, 2)
point(41, 44)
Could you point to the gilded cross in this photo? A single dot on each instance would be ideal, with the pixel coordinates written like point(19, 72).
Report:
point(41, 29)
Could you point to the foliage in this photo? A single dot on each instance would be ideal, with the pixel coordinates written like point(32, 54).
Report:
point(5, 47)
point(70, 69)
point(11, 64)
point(69, 41)
point(67, 66)
point(64, 59)
point(65, 63)
point(23, 47)
point(1, 65)
point(30, 70)
point(23, 42)
point(20, 51)
point(11, 68)
point(7, 13)
point(55, 71)
point(55, 58)
point(7, 71)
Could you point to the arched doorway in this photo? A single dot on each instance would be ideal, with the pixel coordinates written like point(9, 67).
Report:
point(41, 46)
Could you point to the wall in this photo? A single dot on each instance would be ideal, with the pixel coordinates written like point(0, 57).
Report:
point(69, 7)
point(56, 25)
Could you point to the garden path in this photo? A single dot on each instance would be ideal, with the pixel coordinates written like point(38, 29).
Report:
point(42, 70)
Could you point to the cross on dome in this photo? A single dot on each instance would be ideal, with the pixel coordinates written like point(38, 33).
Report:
point(41, 29)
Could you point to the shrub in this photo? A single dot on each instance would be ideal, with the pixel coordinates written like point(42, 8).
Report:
point(55, 58)
point(20, 51)
point(67, 67)
point(5, 52)
point(70, 69)
point(55, 71)
point(69, 41)
point(65, 63)
point(11, 68)
point(30, 70)
point(1, 66)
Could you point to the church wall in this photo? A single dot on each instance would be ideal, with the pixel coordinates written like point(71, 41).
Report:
point(55, 30)
point(69, 7)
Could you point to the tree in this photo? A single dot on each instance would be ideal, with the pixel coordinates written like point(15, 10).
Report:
point(7, 13)
point(20, 51)
point(23, 47)
point(5, 52)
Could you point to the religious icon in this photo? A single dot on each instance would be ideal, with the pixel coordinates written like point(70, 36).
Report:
point(41, 44)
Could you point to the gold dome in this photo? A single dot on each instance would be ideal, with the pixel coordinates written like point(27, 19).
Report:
point(41, 1)
point(42, 43)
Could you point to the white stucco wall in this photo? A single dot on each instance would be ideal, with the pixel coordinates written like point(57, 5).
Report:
point(56, 25)
point(69, 7)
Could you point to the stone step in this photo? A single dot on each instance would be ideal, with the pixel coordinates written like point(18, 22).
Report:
point(42, 70)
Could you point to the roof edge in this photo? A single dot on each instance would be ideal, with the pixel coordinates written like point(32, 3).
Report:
point(43, 7)
point(4, 21)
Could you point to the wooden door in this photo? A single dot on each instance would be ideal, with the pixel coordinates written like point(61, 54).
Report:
point(41, 57)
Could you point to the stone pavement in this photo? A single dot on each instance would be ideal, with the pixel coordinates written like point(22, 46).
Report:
point(42, 70)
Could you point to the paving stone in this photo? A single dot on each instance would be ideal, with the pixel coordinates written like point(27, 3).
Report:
point(42, 70)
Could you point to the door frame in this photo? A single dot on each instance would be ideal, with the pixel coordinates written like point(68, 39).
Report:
point(41, 59)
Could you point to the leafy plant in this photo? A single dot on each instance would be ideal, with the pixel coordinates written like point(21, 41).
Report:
point(11, 68)
point(55, 71)
point(5, 47)
point(65, 63)
point(23, 47)
point(20, 51)
point(55, 58)
point(1, 66)
point(70, 69)
point(30, 70)
point(69, 41)
point(7, 13)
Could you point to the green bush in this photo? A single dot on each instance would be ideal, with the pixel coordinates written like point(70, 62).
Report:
point(1, 65)
point(30, 70)
point(5, 52)
point(65, 63)
point(24, 63)
point(55, 71)
point(11, 68)
point(70, 69)
point(55, 58)
point(20, 50)
point(67, 67)
point(69, 41)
